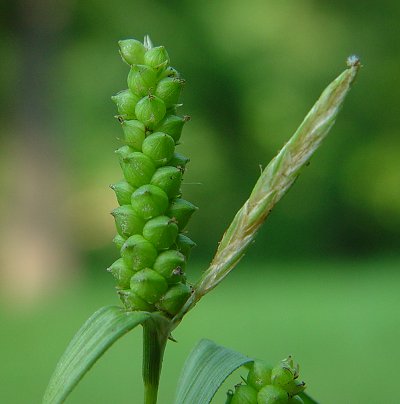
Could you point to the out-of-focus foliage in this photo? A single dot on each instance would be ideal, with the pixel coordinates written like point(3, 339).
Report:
point(253, 70)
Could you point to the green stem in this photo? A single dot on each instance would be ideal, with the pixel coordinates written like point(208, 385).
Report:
point(155, 336)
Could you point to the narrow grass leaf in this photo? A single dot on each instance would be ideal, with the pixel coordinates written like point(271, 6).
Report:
point(204, 371)
point(99, 332)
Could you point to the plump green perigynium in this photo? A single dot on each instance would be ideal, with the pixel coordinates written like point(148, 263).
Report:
point(127, 221)
point(126, 102)
point(134, 133)
point(169, 90)
point(150, 273)
point(123, 192)
point(132, 51)
point(271, 394)
point(149, 201)
point(150, 110)
point(142, 80)
point(171, 265)
point(181, 210)
point(138, 253)
point(169, 179)
point(159, 147)
point(161, 231)
point(137, 168)
point(259, 374)
point(172, 125)
point(173, 300)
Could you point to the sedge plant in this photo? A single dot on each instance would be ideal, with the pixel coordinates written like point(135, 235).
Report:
point(154, 247)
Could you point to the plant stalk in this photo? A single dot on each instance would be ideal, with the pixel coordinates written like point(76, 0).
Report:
point(274, 182)
point(155, 337)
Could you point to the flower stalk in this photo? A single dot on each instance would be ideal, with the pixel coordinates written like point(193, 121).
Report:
point(274, 182)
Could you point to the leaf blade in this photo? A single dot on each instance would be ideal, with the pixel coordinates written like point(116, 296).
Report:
point(206, 368)
point(97, 334)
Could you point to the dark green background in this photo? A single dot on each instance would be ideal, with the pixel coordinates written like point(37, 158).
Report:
point(253, 70)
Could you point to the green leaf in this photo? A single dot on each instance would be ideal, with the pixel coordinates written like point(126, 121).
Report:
point(307, 399)
point(206, 368)
point(99, 332)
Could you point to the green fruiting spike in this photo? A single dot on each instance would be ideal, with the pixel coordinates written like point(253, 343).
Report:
point(172, 125)
point(150, 273)
point(123, 192)
point(134, 133)
point(126, 102)
point(138, 253)
point(272, 395)
point(244, 395)
point(122, 273)
point(161, 231)
point(150, 110)
point(181, 210)
point(261, 378)
point(156, 56)
point(169, 179)
point(159, 147)
point(137, 168)
point(149, 201)
point(127, 221)
point(179, 161)
point(148, 285)
point(119, 241)
point(169, 89)
point(171, 265)
point(296, 400)
point(259, 374)
point(133, 302)
point(184, 245)
point(174, 298)
point(142, 80)
point(132, 51)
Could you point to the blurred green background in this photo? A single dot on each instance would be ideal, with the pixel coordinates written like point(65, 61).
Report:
point(321, 282)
